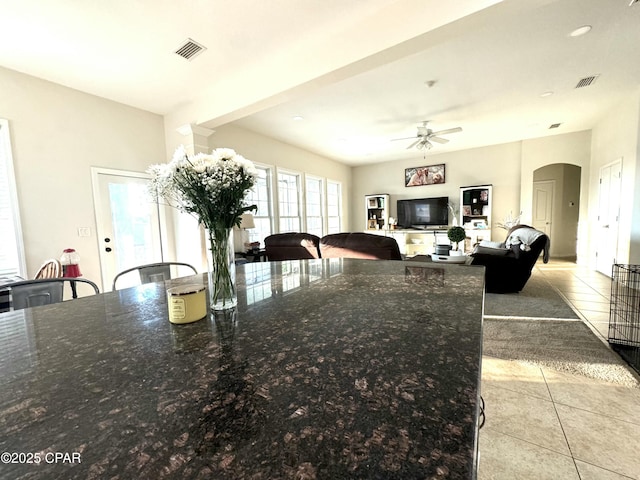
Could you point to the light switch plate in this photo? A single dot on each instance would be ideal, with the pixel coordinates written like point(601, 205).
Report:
point(84, 231)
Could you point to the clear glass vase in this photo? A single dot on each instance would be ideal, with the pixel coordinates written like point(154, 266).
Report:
point(222, 269)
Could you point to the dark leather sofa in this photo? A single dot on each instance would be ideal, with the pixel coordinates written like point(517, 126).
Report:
point(301, 246)
point(359, 245)
point(292, 246)
point(509, 268)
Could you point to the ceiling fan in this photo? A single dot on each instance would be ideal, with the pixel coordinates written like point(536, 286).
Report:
point(425, 136)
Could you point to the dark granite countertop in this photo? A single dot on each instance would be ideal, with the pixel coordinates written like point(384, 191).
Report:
point(328, 369)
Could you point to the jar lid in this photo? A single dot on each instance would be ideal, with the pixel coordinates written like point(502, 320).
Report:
point(185, 289)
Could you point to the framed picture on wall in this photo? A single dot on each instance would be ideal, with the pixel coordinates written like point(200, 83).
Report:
point(418, 176)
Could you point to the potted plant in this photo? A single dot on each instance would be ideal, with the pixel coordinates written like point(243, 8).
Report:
point(457, 235)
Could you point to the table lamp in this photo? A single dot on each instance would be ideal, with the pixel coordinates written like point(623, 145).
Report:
point(241, 235)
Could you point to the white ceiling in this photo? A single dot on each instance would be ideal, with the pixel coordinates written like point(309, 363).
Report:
point(489, 67)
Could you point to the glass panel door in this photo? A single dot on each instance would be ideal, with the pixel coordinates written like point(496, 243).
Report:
point(128, 224)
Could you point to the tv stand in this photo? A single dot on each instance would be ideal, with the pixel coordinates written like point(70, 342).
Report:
point(415, 241)
point(425, 227)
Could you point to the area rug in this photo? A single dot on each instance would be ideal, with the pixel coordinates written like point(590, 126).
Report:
point(565, 346)
point(537, 299)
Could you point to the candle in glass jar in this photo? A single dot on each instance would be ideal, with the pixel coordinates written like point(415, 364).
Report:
point(186, 303)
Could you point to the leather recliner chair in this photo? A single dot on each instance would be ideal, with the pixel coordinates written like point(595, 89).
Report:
point(508, 269)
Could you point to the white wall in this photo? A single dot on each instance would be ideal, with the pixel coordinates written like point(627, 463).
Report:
point(57, 135)
point(617, 136)
point(498, 165)
point(269, 151)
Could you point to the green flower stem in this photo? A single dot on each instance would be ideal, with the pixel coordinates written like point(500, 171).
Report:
point(221, 281)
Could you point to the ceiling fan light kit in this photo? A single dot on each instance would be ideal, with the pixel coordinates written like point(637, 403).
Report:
point(424, 137)
point(421, 145)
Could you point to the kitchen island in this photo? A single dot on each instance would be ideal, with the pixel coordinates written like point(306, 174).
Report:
point(332, 368)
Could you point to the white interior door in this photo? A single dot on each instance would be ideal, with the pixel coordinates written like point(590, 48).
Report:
point(543, 193)
point(608, 212)
point(127, 221)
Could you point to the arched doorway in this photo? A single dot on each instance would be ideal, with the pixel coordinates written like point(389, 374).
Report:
point(556, 206)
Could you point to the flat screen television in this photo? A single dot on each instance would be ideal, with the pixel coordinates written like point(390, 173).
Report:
point(423, 213)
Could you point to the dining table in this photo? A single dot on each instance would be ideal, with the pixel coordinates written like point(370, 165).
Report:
point(325, 369)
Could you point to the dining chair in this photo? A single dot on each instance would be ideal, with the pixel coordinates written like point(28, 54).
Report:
point(153, 272)
point(42, 291)
point(52, 268)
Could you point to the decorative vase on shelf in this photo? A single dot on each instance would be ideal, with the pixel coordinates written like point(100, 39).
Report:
point(221, 269)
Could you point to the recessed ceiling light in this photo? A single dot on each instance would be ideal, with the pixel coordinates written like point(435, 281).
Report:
point(580, 31)
point(298, 118)
point(546, 94)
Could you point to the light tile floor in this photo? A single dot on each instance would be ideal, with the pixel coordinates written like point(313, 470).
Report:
point(543, 424)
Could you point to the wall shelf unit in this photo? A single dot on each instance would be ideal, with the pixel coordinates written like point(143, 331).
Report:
point(377, 211)
point(475, 213)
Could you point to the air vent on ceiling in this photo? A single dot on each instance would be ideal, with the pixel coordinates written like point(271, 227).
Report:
point(586, 81)
point(189, 49)
point(554, 125)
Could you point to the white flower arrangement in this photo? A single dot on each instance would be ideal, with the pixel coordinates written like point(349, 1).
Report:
point(212, 187)
point(454, 213)
point(510, 221)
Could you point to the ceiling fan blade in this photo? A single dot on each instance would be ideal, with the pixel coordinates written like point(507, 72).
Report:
point(413, 144)
point(449, 130)
point(405, 138)
point(438, 140)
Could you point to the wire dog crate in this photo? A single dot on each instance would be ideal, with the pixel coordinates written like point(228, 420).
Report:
point(624, 317)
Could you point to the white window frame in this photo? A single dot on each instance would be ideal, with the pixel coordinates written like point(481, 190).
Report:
point(254, 235)
point(323, 204)
point(340, 206)
point(12, 207)
point(299, 191)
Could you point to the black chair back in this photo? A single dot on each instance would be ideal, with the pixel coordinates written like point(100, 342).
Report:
point(43, 291)
point(153, 272)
